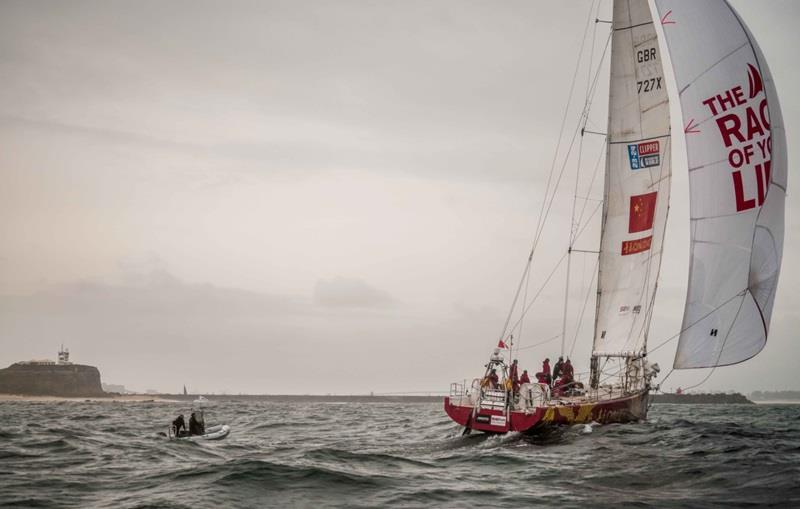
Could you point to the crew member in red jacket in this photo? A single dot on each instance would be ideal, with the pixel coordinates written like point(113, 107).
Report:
point(567, 372)
point(543, 376)
point(524, 379)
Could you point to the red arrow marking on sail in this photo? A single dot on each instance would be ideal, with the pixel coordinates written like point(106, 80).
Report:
point(691, 127)
point(665, 21)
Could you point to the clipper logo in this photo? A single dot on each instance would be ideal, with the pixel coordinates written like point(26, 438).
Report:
point(644, 155)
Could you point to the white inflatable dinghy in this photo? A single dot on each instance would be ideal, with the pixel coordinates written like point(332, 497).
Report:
point(217, 432)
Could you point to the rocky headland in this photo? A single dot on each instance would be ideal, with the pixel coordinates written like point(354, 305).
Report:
point(64, 380)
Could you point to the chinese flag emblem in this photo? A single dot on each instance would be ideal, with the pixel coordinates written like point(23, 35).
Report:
point(643, 210)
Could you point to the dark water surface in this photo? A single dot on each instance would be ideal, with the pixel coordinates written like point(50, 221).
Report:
point(303, 454)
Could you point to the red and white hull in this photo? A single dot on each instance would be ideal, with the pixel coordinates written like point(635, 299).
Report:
point(628, 408)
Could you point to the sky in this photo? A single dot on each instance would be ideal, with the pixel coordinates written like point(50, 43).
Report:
point(319, 197)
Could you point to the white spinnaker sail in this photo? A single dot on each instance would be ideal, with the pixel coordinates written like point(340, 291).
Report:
point(736, 149)
point(636, 186)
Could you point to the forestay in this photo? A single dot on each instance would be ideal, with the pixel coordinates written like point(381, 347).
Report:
point(636, 186)
point(737, 175)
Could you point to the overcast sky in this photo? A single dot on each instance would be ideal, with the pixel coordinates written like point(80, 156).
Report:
point(314, 196)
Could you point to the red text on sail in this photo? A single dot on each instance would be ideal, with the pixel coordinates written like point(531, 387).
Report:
point(743, 124)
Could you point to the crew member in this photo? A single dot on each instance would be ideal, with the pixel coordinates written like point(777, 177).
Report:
point(494, 379)
point(524, 379)
point(196, 426)
point(558, 368)
point(568, 373)
point(566, 383)
point(491, 380)
point(513, 374)
point(179, 424)
point(546, 372)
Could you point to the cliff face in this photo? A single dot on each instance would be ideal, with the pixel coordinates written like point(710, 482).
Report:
point(71, 380)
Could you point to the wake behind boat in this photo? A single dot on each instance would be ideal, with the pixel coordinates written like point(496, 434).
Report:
point(736, 152)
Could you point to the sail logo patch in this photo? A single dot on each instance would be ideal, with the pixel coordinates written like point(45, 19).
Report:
point(644, 155)
point(642, 212)
point(624, 310)
point(630, 247)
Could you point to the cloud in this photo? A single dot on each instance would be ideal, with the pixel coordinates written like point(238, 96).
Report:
point(349, 292)
point(155, 293)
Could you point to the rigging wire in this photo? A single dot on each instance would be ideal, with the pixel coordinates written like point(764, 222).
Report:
point(524, 304)
point(547, 205)
point(721, 349)
point(542, 213)
point(583, 310)
point(540, 343)
point(669, 339)
point(552, 198)
point(542, 287)
point(740, 294)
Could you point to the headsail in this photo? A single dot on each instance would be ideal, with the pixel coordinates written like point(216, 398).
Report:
point(737, 176)
point(637, 184)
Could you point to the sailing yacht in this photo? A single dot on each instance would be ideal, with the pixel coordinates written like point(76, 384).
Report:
point(736, 152)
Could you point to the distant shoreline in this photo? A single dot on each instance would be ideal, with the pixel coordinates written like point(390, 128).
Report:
point(183, 398)
point(118, 398)
point(349, 398)
point(308, 398)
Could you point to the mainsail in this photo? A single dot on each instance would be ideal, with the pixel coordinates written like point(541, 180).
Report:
point(736, 149)
point(636, 186)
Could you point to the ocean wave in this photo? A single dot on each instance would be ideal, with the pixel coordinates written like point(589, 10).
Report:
point(392, 455)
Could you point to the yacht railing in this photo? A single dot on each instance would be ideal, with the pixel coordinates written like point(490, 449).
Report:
point(457, 393)
point(535, 394)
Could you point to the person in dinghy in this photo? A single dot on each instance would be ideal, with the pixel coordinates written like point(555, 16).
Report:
point(197, 429)
point(179, 427)
point(197, 424)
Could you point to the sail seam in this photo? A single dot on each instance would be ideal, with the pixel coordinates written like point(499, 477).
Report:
point(747, 43)
point(634, 26)
point(778, 186)
point(702, 218)
point(712, 163)
point(729, 246)
point(733, 324)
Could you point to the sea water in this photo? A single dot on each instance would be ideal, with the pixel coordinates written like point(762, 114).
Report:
point(306, 454)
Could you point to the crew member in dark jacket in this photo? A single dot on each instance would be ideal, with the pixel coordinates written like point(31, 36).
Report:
point(513, 374)
point(196, 426)
point(179, 424)
point(558, 368)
